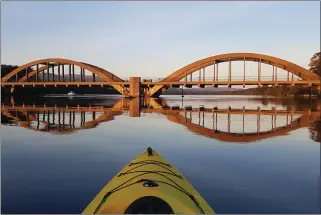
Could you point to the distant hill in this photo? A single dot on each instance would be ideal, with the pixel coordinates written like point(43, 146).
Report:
point(77, 77)
point(279, 91)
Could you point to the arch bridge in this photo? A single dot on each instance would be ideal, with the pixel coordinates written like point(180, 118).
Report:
point(59, 72)
point(201, 73)
point(295, 74)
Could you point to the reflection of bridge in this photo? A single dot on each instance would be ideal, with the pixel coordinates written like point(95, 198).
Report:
point(57, 121)
point(51, 72)
point(62, 120)
point(303, 121)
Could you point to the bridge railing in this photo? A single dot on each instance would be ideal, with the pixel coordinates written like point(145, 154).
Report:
point(226, 78)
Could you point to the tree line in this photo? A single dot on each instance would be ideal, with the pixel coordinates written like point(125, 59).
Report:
point(6, 69)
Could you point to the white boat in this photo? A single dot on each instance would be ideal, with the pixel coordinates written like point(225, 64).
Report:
point(71, 93)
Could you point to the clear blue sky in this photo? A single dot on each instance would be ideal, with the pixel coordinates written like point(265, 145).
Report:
point(156, 38)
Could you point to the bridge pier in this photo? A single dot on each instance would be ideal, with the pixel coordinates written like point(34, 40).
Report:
point(134, 107)
point(134, 86)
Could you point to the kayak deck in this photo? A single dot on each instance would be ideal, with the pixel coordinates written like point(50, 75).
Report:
point(148, 184)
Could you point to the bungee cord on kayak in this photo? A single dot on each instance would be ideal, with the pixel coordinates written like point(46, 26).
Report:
point(130, 171)
point(151, 174)
point(143, 180)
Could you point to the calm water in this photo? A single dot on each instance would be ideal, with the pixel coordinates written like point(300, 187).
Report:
point(58, 153)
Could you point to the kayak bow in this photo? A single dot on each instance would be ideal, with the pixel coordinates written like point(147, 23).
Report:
point(148, 184)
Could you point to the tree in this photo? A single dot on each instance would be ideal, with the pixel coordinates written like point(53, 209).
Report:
point(315, 64)
point(315, 131)
point(6, 69)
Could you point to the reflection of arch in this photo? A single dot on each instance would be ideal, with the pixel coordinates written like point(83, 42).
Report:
point(61, 129)
point(28, 117)
point(53, 62)
point(105, 117)
point(301, 122)
point(193, 67)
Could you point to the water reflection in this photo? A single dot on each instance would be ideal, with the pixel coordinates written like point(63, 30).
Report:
point(315, 131)
point(228, 124)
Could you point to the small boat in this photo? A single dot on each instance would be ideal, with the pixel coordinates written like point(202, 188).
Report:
point(71, 93)
point(149, 184)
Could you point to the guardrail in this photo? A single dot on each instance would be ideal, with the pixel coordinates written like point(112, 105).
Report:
point(222, 78)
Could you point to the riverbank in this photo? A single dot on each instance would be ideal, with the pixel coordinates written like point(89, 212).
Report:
point(277, 91)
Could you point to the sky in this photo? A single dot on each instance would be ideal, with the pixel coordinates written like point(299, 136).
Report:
point(153, 39)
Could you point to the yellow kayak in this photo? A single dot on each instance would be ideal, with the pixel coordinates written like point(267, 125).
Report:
point(148, 185)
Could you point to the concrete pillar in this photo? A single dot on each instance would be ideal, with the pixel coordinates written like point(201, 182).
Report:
point(214, 71)
point(58, 72)
point(63, 72)
point(134, 107)
point(53, 73)
point(244, 72)
point(70, 119)
point(203, 74)
point(37, 72)
point(48, 72)
point(259, 70)
point(217, 72)
point(228, 122)
point(229, 70)
point(243, 122)
point(73, 72)
point(134, 86)
point(94, 77)
point(27, 74)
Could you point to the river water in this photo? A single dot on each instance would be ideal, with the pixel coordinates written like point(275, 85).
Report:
point(242, 154)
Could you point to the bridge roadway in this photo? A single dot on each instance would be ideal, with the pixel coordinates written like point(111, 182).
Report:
point(167, 83)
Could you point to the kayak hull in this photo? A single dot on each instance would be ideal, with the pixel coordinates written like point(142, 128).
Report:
point(148, 179)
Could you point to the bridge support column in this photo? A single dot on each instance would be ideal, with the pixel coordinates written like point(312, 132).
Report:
point(134, 107)
point(134, 86)
point(214, 71)
point(37, 72)
point(48, 72)
point(229, 71)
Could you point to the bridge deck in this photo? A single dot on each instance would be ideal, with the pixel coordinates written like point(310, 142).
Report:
point(162, 110)
point(168, 83)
